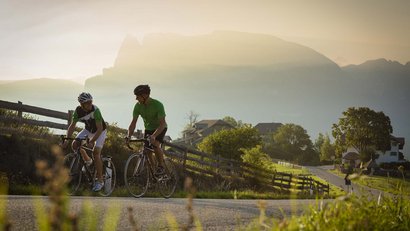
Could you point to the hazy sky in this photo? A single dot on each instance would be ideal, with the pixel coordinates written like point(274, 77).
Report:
point(77, 39)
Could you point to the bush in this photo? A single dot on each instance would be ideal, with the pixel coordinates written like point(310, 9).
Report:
point(395, 165)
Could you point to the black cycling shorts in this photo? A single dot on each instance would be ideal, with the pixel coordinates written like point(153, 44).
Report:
point(160, 137)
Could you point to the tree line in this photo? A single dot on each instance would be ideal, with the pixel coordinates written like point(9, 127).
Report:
point(361, 128)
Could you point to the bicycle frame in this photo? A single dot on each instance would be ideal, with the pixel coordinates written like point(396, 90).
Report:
point(145, 152)
point(80, 169)
point(138, 177)
point(77, 152)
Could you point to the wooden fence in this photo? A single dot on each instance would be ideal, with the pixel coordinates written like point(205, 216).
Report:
point(191, 160)
point(203, 163)
point(20, 108)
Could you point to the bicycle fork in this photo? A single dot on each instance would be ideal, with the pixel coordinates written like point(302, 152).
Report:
point(107, 170)
point(139, 166)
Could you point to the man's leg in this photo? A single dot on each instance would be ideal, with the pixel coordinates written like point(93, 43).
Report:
point(98, 163)
point(159, 154)
point(82, 134)
point(83, 153)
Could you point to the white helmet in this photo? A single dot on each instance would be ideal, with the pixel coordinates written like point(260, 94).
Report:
point(84, 97)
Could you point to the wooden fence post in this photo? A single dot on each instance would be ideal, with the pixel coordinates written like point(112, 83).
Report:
point(70, 116)
point(20, 110)
point(290, 181)
point(217, 164)
point(185, 157)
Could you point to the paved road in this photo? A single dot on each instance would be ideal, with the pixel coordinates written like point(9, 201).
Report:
point(322, 172)
point(214, 214)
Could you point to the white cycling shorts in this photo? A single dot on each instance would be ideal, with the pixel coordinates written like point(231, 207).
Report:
point(99, 143)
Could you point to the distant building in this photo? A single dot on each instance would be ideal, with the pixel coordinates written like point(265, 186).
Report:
point(392, 155)
point(202, 129)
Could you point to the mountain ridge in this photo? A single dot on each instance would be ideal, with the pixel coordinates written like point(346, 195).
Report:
point(220, 47)
point(306, 93)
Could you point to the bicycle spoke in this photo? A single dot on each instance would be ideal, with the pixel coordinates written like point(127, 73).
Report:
point(109, 176)
point(73, 164)
point(168, 182)
point(136, 175)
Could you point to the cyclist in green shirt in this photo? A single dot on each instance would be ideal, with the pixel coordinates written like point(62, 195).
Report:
point(95, 129)
point(153, 114)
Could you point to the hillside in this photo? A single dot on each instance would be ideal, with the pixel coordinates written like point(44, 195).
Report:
point(265, 79)
point(50, 93)
point(223, 48)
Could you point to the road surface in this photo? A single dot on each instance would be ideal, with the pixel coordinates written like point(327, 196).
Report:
point(214, 214)
point(322, 172)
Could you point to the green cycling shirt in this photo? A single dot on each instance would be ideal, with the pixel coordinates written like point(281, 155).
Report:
point(150, 113)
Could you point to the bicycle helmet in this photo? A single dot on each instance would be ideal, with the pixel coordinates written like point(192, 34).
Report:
point(142, 89)
point(84, 97)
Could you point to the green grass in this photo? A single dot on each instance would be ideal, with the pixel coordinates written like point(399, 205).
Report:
point(345, 213)
point(386, 184)
point(232, 194)
point(25, 190)
point(289, 169)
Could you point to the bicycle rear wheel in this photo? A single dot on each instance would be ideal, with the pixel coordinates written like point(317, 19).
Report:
point(73, 164)
point(168, 183)
point(136, 175)
point(109, 175)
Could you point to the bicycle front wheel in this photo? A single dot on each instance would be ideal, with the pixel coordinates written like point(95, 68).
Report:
point(168, 183)
point(73, 164)
point(136, 175)
point(110, 177)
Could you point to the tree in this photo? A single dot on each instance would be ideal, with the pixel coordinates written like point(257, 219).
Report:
point(327, 149)
point(363, 129)
point(257, 157)
point(235, 123)
point(295, 144)
point(229, 142)
point(192, 120)
point(319, 142)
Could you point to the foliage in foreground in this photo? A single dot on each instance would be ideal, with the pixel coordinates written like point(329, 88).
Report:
point(345, 213)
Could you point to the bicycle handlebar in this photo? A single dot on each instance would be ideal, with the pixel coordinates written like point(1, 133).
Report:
point(64, 138)
point(138, 140)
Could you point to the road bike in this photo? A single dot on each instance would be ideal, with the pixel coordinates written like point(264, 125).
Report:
point(79, 172)
point(139, 172)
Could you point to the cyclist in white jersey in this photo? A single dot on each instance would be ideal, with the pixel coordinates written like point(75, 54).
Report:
point(95, 129)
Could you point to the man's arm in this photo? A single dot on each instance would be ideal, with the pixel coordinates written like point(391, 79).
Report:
point(70, 129)
point(132, 126)
point(161, 127)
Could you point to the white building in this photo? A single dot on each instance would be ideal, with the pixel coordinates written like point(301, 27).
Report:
point(393, 154)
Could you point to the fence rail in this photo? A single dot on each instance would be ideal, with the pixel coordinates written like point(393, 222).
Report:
point(20, 108)
point(214, 165)
point(191, 159)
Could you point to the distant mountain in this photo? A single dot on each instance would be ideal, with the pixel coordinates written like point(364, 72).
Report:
point(378, 66)
point(5, 81)
point(223, 48)
point(251, 77)
point(50, 93)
